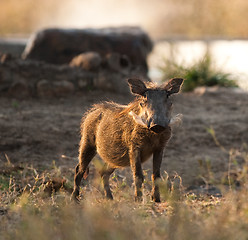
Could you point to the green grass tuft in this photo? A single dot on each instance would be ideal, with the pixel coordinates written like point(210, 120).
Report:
point(202, 73)
point(4, 182)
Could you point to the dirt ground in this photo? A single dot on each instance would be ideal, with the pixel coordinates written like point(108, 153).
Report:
point(42, 132)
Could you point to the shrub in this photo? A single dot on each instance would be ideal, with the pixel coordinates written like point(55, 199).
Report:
point(201, 73)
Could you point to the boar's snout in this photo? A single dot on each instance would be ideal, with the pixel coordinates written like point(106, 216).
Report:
point(157, 128)
point(160, 127)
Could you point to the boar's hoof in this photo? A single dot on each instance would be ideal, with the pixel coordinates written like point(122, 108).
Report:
point(109, 195)
point(75, 197)
point(156, 198)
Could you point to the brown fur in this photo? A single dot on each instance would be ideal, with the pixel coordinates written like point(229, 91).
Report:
point(109, 130)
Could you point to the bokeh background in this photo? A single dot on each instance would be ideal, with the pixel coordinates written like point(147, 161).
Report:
point(191, 26)
point(162, 19)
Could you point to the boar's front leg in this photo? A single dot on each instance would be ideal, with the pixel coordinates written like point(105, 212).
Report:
point(138, 177)
point(157, 159)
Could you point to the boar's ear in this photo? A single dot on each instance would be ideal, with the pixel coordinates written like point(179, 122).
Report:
point(173, 86)
point(137, 86)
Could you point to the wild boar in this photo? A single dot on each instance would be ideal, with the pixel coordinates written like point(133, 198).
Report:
point(128, 135)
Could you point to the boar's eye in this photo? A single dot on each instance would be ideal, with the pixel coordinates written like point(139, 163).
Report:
point(144, 95)
point(143, 103)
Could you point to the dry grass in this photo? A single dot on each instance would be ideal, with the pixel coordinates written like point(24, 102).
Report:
point(35, 204)
point(56, 218)
point(31, 211)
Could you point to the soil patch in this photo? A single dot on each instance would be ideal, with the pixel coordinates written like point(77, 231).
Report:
point(41, 132)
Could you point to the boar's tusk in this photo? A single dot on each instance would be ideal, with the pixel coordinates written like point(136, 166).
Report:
point(176, 120)
point(137, 119)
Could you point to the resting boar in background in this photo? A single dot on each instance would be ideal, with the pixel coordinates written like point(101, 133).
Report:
point(128, 135)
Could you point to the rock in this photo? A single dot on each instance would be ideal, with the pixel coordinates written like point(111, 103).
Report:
point(44, 89)
point(60, 46)
point(111, 81)
point(118, 63)
point(58, 88)
point(19, 89)
point(216, 90)
point(208, 190)
point(54, 185)
point(82, 83)
point(24, 78)
point(89, 61)
point(63, 88)
point(206, 90)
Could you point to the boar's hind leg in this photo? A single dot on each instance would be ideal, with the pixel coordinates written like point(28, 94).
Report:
point(138, 177)
point(105, 174)
point(157, 159)
point(86, 153)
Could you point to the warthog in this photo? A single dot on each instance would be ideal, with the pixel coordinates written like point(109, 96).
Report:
point(128, 135)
